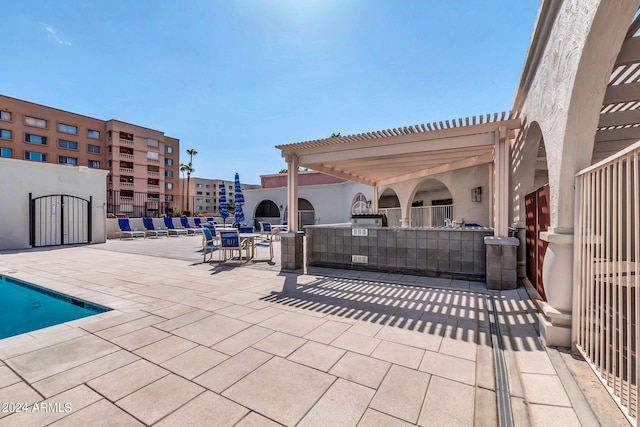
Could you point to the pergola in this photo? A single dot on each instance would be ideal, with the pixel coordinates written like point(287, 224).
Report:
point(385, 157)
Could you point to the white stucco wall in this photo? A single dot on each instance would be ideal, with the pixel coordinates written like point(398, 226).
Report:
point(459, 183)
point(331, 202)
point(565, 98)
point(18, 178)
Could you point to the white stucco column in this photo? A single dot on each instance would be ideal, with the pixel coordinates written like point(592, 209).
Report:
point(501, 184)
point(374, 201)
point(292, 192)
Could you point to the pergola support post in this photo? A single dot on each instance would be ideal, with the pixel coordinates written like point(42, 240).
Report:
point(292, 191)
point(374, 202)
point(292, 243)
point(501, 250)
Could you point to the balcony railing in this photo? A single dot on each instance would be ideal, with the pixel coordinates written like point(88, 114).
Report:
point(606, 275)
point(152, 173)
point(126, 184)
point(153, 160)
point(126, 170)
point(126, 141)
point(153, 186)
point(126, 156)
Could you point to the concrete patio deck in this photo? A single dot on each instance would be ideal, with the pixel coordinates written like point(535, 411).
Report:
point(247, 345)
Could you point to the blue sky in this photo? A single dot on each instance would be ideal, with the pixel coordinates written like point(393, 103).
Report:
point(234, 78)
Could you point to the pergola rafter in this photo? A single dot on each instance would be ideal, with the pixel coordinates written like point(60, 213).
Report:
point(390, 156)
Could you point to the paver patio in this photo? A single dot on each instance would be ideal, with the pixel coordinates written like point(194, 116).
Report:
point(246, 344)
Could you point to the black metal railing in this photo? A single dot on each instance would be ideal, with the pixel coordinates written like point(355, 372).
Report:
point(132, 204)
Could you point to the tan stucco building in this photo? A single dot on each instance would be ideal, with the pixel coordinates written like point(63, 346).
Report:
point(143, 163)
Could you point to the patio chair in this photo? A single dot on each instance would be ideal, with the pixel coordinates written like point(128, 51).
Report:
point(230, 242)
point(209, 240)
point(197, 221)
point(150, 229)
point(125, 229)
point(184, 221)
point(168, 222)
point(267, 237)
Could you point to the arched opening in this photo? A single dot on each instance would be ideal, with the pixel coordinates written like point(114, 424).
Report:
point(306, 213)
point(389, 205)
point(360, 205)
point(268, 211)
point(537, 206)
point(432, 204)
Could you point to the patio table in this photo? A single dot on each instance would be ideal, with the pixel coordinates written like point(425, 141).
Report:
point(250, 238)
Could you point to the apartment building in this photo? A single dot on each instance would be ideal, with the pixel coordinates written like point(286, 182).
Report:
point(204, 194)
point(143, 163)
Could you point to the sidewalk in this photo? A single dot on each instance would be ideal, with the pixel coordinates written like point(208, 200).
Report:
point(245, 344)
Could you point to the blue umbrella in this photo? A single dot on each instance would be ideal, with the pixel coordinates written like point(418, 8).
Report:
point(238, 198)
point(224, 213)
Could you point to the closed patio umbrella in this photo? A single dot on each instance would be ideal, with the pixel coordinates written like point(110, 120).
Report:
point(224, 213)
point(238, 198)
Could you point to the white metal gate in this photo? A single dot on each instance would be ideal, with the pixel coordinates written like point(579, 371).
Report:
point(59, 219)
point(606, 280)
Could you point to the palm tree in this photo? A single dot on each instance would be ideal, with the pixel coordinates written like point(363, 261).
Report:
point(185, 169)
point(189, 169)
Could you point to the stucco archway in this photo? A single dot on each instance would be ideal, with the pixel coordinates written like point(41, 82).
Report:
point(431, 203)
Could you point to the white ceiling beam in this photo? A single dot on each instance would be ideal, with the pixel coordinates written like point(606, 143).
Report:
point(630, 52)
point(417, 159)
point(617, 134)
point(415, 147)
point(629, 117)
point(461, 164)
point(438, 136)
point(622, 93)
point(342, 174)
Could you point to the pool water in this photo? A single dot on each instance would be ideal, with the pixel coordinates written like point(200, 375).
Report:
point(25, 307)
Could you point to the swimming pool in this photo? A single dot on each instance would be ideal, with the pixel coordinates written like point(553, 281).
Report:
point(25, 307)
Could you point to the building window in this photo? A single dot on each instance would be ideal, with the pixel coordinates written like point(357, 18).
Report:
point(5, 152)
point(168, 174)
point(169, 186)
point(126, 135)
point(152, 156)
point(32, 121)
point(63, 160)
point(5, 115)
point(63, 143)
point(35, 139)
point(94, 164)
point(36, 157)
point(168, 150)
point(152, 142)
point(199, 193)
point(94, 149)
point(198, 208)
point(67, 128)
point(168, 162)
point(168, 198)
point(208, 193)
point(207, 200)
point(95, 134)
point(5, 134)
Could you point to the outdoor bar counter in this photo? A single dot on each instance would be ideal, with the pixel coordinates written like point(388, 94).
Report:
point(453, 252)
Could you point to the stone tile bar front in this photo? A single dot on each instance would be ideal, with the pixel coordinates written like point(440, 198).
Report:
point(438, 251)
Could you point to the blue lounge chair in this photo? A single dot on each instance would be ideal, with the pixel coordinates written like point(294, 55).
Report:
point(209, 240)
point(150, 229)
point(198, 222)
point(125, 229)
point(184, 221)
point(168, 222)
